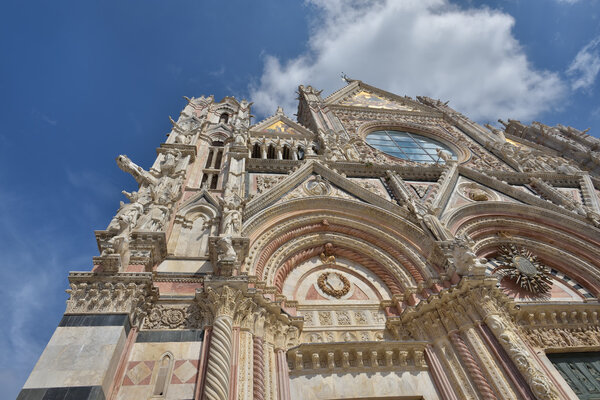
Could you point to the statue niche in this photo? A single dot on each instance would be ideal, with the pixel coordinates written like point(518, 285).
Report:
point(191, 231)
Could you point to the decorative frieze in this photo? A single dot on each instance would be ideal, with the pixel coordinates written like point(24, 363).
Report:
point(347, 357)
point(127, 293)
point(174, 316)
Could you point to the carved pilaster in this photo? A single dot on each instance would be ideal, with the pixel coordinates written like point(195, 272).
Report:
point(517, 350)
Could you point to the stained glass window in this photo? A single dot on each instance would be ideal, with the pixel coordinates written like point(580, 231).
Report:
point(408, 146)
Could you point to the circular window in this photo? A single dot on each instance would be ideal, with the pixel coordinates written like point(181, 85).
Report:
point(408, 146)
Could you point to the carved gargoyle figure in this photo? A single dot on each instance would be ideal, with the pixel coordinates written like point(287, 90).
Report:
point(140, 175)
point(464, 259)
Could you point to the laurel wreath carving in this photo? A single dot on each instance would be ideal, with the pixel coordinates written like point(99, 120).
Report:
point(321, 281)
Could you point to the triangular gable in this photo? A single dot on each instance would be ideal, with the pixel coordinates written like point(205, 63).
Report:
point(506, 191)
point(342, 186)
point(315, 185)
point(467, 191)
point(372, 100)
point(279, 124)
point(359, 94)
point(202, 196)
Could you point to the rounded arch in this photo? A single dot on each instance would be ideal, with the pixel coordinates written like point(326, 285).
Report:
point(462, 153)
point(394, 248)
point(372, 287)
point(563, 243)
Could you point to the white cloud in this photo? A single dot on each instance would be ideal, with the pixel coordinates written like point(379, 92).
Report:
point(415, 47)
point(585, 66)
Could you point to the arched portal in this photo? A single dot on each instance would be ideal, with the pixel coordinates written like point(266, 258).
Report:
point(565, 246)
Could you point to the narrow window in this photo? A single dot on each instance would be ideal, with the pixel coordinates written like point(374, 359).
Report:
point(271, 152)
point(286, 153)
point(256, 151)
point(214, 181)
point(164, 367)
point(209, 159)
point(218, 159)
point(204, 180)
point(224, 118)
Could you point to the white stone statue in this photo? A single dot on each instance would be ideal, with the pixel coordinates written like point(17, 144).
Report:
point(154, 220)
point(444, 155)
point(232, 222)
point(464, 259)
point(225, 249)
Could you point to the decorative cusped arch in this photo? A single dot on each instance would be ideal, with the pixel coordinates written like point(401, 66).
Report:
point(392, 247)
point(562, 242)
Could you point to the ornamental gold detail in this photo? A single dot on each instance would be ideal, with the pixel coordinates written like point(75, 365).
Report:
point(333, 284)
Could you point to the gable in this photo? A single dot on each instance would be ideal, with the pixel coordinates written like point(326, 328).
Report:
point(315, 180)
point(372, 100)
point(281, 127)
point(468, 191)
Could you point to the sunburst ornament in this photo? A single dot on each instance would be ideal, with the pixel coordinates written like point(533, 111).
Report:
point(523, 268)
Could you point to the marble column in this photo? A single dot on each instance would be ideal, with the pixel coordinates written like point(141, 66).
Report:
point(283, 379)
point(219, 359)
point(258, 369)
point(439, 376)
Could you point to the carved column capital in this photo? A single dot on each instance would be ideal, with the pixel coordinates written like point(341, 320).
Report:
point(124, 293)
point(222, 301)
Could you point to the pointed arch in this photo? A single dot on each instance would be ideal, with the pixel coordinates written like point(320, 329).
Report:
point(194, 223)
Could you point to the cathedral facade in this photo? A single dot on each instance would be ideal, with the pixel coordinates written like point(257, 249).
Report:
point(378, 247)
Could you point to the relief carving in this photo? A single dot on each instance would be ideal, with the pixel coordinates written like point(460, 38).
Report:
point(174, 317)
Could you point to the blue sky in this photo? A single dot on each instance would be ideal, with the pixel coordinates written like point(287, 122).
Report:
point(82, 82)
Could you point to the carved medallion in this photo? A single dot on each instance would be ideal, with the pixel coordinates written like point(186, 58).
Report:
point(333, 284)
point(317, 186)
point(523, 268)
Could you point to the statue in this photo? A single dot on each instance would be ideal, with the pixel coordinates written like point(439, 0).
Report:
point(445, 156)
point(327, 256)
point(497, 132)
point(317, 186)
point(225, 249)
point(464, 259)
point(126, 217)
point(232, 221)
point(154, 220)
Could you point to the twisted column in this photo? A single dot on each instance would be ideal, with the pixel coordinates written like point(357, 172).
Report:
point(219, 359)
point(258, 370)
point(467, 358)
